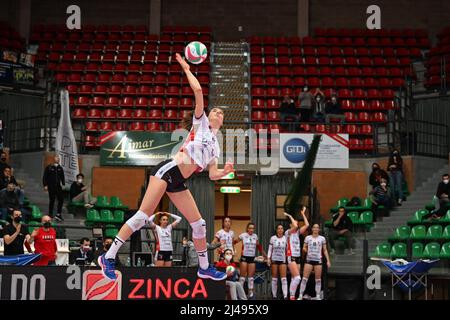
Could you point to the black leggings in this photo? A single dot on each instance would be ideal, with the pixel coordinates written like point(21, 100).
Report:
point(55, 194)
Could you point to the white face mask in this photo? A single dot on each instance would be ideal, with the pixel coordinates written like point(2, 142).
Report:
point(228, 257)
point(383, 184)
point(446, 181)
point(80, 180)
point(56, 164)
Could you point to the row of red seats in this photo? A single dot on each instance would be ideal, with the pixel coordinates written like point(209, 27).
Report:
point(351, 42)
point(91, 126)
point(129, 102)
point(349, 116)
point(335, 61)
point(345, 104)
point(118, 78)
point(406, 33)
point(438, 63)
point(154, 114)
point(88, 28)
point(129, 90)
point(328, 82)
point(185, 29)
point(120, 39)
point(116, 68)
point(10, 38)
point(351, 129)
point(339, 71)
point(335, 51)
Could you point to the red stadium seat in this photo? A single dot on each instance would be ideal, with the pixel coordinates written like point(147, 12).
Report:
point(155, 114)
point(361, 105)
point(346, 104)
point(156, 102)
point(273, 104)
point(137, 126)
point(132, 79)
point(140, 114)
point(170, 114)
point(90, 141)
point(320, 128)
point(313, 82)
point(366, 129)
point(359, 94)
point(341, 83)
point(72, 89)
point(94, 114)
point(171, 102)
point(127, 102)
point(273, 116)
point(106, 126)
point(328, 82)
point(379, 117)
point(373, 94)
point(98, 101)
point(125, 114)
point(258, 116)
point(115, 90)
point(387, 94)
point(109, 114)
point(350, 117)
point(351, 129)
point(344, 94)
point(186, 103)
point(272, 92)
point(172, 91)
point(258, 104)
point(142, 102)
point(340, 72)
point(370, 83)
point(129, 91)
point(355, 83)
point(122, 126)
point(152, 126)
point(100, 90)
point(158, 90)
point(79, 113)
point(354, 72)
point(258, 92)
point(364, 117)
point(385, 82)
point(146, 79)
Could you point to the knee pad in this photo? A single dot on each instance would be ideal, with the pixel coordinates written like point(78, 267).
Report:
point(198, 229)
point(137, 221)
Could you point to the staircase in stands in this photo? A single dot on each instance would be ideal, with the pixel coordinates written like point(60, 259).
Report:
point(229, 88)
point(385, 228)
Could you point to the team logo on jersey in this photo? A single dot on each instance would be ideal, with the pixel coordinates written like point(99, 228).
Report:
point(97, 287)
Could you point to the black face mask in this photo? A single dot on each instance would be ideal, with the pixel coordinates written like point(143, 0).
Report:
point(107, 246)
point(17, 219)
point(47, 224)
point(375, 168)
point(3, 159)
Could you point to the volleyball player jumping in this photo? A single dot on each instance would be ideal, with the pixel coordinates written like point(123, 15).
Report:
point(200, 151)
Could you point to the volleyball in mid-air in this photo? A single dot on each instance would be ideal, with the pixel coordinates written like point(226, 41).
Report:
point(195, 52)
point(230, 270)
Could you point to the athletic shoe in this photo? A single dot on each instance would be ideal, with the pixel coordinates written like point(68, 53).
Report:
point(59, 218)
point(300, 297)
point(306, 297)
point(88, 206)
point(399, 202)
point(108, 267)
point(292, 298)
point(316, 298)
point(211, 273)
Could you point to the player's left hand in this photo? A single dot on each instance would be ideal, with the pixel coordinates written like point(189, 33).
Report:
point(229, 167)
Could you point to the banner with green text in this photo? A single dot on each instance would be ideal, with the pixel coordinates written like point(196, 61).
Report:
point(131, 148)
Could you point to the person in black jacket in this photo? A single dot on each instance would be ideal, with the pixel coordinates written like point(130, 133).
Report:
point(53, 181)
point(84, 255)
point(376, 175)
point(442, 193)
point(9, 201)
point(342, 227)
point(8, 178)
point(80, 192)
point(288, 112)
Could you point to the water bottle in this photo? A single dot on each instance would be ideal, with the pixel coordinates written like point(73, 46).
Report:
point(128, 262)
point(139, 262)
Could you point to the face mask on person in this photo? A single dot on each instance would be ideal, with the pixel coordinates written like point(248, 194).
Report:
point(228, 257)
point(86, 248)
point(17, 219)
point(305, 89)
point(56, 164)
point(318, 99)
point(3, 159)
point(47, 224)
point(108, 245)
point(80, 180)
point(445, 181)
point(383, 184)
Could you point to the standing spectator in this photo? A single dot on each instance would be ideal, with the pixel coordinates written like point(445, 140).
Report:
point(319, 105)
point(84, 255)
point(288, 111)
point(442, 193)
point(7, 178)
point(15, 236)
point(190, 255)
point(341, 227)
point(3, 163)
point(333, 109)
point(45, 243)
point(381, 195)
point(107, 242)
point(53, 181)
point(235, 287)
point(80, 192)
point(306, 100)
point(395, 169)
point(376, 175)
point(9, 201)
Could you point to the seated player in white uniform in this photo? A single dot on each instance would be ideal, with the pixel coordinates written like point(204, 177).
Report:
point(294, 250)
point(277, 260)
point(315, 247)
point(247, 266)
point(163, 237)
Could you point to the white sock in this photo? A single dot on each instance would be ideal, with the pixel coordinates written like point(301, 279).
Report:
point(242, 281)
point(303, 285)
point(318, 287)
point(203, 259)
point(251, 282)
point(274, 287)
point(284, 287)
point(294, 285)
point(115, 246)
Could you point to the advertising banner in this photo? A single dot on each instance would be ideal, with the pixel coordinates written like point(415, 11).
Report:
point(128, 148)
point(80, 283)
point(333, 151)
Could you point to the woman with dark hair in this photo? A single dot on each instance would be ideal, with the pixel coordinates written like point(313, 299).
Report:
point(163, 237)
point(294, 250)
point(277, 261)
point(395, 172)
point(235, 287)
point(200, 151)
point(225, 236)
point(376, 175)
point(247, 266)
point(315, 247)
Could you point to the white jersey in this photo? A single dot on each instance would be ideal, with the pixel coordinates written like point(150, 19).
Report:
point(294, 249)
point(315, 245)
point(163, 238)
point(248, 244)
point(201, 144)
point(277, 248)
point(227, 238)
